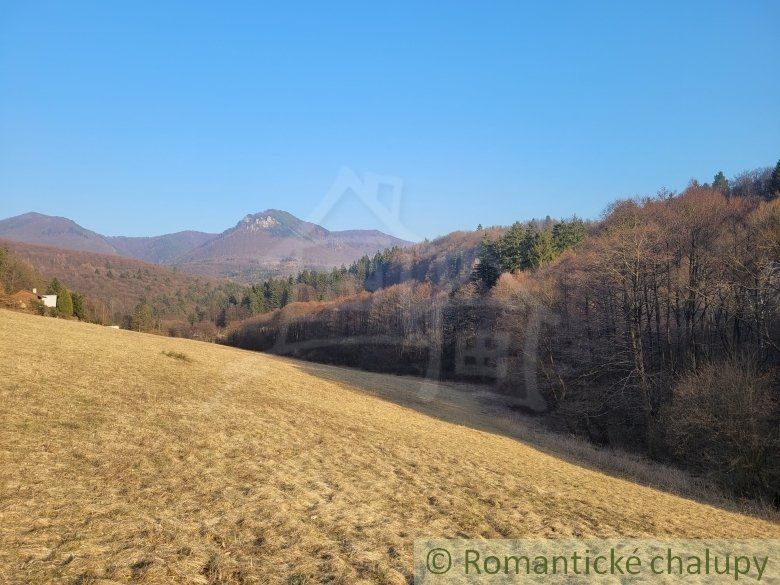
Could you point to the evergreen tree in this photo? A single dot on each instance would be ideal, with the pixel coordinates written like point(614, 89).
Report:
point(286, 296)
point(54, 287)
point(538, 249)
point(774, 181)
point(64, 300)
point(567, 234)
point(142, 318)
point(222, 319)
point(64, 303)
point(721, 183)
point(510, 247)
point(78, 306)
point(489, 268)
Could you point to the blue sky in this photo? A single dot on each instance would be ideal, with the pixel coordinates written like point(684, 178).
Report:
point(139, 118)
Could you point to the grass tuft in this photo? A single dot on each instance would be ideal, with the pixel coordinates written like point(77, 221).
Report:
point(177, 355)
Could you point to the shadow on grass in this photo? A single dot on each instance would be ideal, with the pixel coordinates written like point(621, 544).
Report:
point(477, 407)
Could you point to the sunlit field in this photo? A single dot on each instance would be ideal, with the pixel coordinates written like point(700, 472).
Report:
point(127, 456)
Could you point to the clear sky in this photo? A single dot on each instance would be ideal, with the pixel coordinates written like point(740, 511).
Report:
point(139, 118)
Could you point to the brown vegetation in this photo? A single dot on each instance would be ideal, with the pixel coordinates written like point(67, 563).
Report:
point(668, 288)
point(660, 289)
point(722, 419)
point(238, 467)
point(114, 287)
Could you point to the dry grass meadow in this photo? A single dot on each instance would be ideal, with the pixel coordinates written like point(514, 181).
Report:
point(126, 456)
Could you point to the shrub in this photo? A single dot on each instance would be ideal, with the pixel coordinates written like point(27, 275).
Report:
point(723, 420)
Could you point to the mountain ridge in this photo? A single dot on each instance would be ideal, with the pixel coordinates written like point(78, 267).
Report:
point(288, 243)
point(268, 242)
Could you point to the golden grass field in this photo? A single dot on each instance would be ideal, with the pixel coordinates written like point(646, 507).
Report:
point(126, 456)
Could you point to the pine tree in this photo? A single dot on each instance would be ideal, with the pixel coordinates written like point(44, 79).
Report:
point(510, 247)
point(54, 287)
point(64, 302)
point(774, 181)
point(222, 319)
point(538, 249)
point(489, 268)
point(286, 296)
point(142, 319)
point(78, 306)
point(721, 183)
point(567, 234)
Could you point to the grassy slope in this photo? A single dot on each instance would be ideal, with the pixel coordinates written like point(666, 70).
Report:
point(118, 461)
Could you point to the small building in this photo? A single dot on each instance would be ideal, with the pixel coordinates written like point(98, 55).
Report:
point(48, 300)
point(24, 299)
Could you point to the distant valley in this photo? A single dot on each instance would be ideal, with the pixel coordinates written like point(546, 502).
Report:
point(269, 243)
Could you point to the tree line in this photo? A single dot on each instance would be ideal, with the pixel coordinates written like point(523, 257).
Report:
point(526, 246)
point(655, 329)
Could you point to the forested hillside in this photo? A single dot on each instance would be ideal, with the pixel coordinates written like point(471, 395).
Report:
point(656, 328)
point(122, 291)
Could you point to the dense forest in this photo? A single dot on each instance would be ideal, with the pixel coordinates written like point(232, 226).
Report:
point(654, 329)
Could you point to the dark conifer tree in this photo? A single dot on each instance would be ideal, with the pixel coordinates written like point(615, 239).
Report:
point(774, 181)
point(567, 234)
point(721, 183)
point(489, 267)
point(510, 247)
point(78, 306)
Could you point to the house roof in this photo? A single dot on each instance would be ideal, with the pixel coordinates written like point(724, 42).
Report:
point(24, 295)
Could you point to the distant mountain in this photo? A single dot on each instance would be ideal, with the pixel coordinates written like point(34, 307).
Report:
point(263, 244)
point(160, 249)
point(274, 241)
point(36, 228)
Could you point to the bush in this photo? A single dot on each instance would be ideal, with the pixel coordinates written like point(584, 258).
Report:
point(724, 421)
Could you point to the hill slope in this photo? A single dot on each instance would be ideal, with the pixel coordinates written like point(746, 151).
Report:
point(120, 461)
point(160, 249)
point(46, 230)
point(119, 283)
